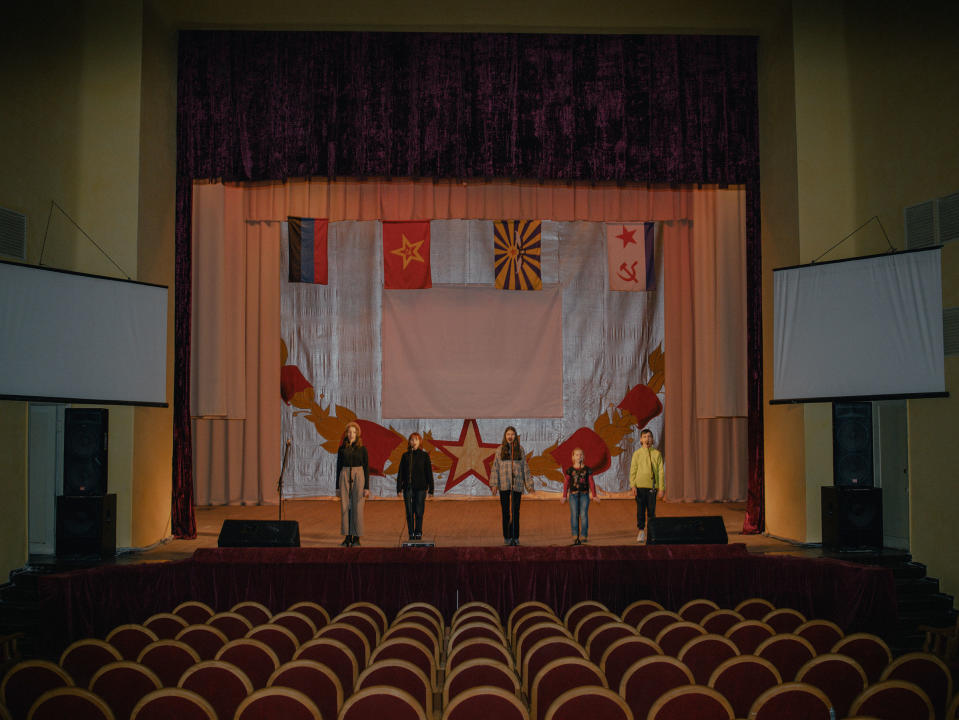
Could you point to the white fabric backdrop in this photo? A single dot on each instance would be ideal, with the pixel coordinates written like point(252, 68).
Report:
point(332, 334)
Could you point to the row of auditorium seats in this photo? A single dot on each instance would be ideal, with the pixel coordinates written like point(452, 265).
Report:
point(754, 661)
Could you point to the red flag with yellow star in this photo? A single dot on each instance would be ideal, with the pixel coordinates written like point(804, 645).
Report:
point(406, 255)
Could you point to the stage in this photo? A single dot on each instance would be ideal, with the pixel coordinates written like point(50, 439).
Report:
point(468, 562)
point(467, 522)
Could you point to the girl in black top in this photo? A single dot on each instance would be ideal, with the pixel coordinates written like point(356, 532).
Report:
point(415, 481)
point(352, 483)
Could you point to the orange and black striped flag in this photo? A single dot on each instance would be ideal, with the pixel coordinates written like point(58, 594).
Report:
point(517, 248)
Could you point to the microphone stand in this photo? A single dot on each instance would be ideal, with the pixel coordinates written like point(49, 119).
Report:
point(279, 483)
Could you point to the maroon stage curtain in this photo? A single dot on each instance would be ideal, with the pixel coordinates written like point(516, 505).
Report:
point(607, 108)
point(88, 603)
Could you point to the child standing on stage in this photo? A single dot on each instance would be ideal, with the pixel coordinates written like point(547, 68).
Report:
point(646, 479)
point(415, 481)
point(579, 487)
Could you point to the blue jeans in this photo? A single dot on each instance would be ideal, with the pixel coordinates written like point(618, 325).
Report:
point(579, 514)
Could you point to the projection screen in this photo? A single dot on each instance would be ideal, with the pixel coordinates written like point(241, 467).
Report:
point(70, 337)
point(864, 328)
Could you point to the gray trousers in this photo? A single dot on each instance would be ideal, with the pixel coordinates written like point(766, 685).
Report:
point(352, 485)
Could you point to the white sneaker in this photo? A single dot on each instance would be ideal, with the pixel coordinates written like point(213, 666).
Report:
point(641, 537)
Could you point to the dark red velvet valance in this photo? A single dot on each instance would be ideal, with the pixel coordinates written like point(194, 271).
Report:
point(91, 602)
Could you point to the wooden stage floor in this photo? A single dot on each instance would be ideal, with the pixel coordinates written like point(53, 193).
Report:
point(472, 522)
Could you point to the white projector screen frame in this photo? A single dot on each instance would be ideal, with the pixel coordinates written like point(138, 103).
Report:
point(74, 338)
point(866, 328)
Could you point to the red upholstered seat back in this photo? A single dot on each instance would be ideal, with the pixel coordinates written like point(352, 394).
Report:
point(206, 640)
point(173, 704)
point(742, 679)
point(130, 640)
point(280, 703)
point(557, 677)
point(297, 623)
point(703, 654)
point(84, 657)
point(169, 659)
point(253, 657)
point(821, 634)
point(648, 679)
point(749, 635)
point(123, 684)
point(791, 701)
point(70, 702)
point(231, 624)
point(336, 656)
point(278, 639)
point(622, 654)
point(221, 684)
point(691, 701)
point(838, 676)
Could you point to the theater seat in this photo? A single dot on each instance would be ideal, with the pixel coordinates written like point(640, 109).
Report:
point(593, 702)
point(70, 702)
point(26, 681)
point(173, 704)
point(123, 684)
point(277, 703)
point(691, 701)
point(383, 703)
point(484, 703)
point(221, 684)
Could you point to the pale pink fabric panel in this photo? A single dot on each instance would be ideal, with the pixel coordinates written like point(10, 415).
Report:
point(261, 444)
point(679, 430)
point(472, 352)
point(218, 471)
point(449, 199)
point(719, 301)
point(722, 460)
point(237, 458)
point(218, 336)
point(705, 458)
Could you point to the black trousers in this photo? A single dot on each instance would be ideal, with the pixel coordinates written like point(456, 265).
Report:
point(415, 501)
point(645, 506)
point(509, 503)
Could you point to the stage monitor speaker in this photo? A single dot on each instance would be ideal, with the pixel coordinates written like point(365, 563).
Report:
point(852, 444)
point(259, 533)
point(851, 518)
point(704, 530)
point(85, 451)
point(86, 525)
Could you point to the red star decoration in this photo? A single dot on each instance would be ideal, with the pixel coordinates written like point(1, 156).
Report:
point(627, 236)
point(470, 450)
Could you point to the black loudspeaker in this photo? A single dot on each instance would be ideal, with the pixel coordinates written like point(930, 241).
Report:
point(851, 518)
point(705, 530)
point(852, 444)
point(86, 525)
point(85, 451)
point(259, 533)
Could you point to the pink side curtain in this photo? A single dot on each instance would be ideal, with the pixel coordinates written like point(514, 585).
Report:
point(235, 364)
point(236, 293)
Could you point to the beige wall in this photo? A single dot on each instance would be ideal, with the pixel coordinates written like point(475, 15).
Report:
point(70, 134)
point(905, 100)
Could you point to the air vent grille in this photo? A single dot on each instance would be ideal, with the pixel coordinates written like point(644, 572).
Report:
point(950, 331)
point(13, 234)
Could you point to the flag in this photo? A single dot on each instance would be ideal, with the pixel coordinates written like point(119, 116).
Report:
point(629, 255)
point(308, 261)
point(406, 255)
point(516, 254)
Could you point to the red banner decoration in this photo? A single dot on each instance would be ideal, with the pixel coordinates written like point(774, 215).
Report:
point(406, 255)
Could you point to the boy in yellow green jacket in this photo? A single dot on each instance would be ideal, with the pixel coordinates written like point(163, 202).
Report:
point(646, 478)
